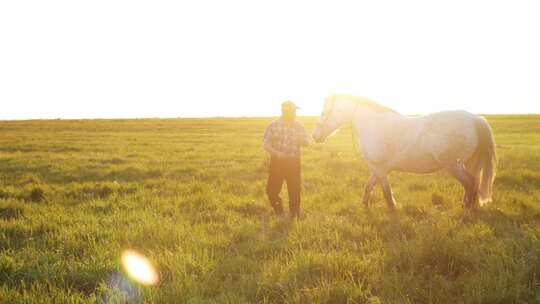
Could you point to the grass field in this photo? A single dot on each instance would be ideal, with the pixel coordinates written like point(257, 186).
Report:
point(189, 194)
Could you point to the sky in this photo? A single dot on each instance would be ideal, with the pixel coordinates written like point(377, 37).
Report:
point(116, 59)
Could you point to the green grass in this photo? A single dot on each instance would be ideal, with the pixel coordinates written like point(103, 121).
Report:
point(189, 194)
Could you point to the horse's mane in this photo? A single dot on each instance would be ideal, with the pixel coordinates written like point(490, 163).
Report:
point(367, 102)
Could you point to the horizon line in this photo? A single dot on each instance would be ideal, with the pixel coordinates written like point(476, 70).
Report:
point(221, 117)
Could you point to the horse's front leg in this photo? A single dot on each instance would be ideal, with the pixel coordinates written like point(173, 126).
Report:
point(387, 192)
point(372, 181)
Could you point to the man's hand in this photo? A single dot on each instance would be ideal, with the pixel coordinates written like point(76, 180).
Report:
point(270, 150)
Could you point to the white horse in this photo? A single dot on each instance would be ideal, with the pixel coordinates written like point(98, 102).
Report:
point(458, 141)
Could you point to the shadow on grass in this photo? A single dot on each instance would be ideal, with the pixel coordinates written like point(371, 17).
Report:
point(11, 212)
point(500, 219)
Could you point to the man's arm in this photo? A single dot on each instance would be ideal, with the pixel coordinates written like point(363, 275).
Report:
point(270, 150)
point(267, 146)
point(304, 140)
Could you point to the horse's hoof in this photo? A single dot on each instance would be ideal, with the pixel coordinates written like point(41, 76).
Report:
point(471, 205)
point(392, 208)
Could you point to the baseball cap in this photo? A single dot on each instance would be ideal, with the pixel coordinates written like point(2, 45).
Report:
point(289, 104)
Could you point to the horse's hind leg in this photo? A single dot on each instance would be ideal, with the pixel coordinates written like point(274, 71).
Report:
point(470, 198)
point(368, 189)
point(387, 192)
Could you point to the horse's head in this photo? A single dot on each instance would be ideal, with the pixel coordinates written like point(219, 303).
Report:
point(332, 117)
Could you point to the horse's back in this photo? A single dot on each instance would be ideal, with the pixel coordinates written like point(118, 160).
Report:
point(448, 136)
point(419, 144)
point(431, 142)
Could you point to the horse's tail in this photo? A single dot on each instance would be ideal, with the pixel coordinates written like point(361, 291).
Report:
point(482, 164)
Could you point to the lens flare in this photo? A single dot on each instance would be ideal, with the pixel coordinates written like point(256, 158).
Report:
point(139, 268)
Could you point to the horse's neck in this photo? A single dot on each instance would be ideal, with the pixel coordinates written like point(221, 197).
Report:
point(368, 120)
point(355, 110)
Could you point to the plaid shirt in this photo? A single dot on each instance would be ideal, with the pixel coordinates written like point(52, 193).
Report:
point(286, 138)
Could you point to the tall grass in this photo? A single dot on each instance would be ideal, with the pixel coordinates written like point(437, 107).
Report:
point(189, 194)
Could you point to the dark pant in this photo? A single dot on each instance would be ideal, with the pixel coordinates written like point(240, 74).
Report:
point(288, 170)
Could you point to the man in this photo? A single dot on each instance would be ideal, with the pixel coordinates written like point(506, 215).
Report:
point(283, 140)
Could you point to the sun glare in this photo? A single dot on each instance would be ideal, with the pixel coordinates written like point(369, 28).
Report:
point(139, 268)
point(235, 59)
